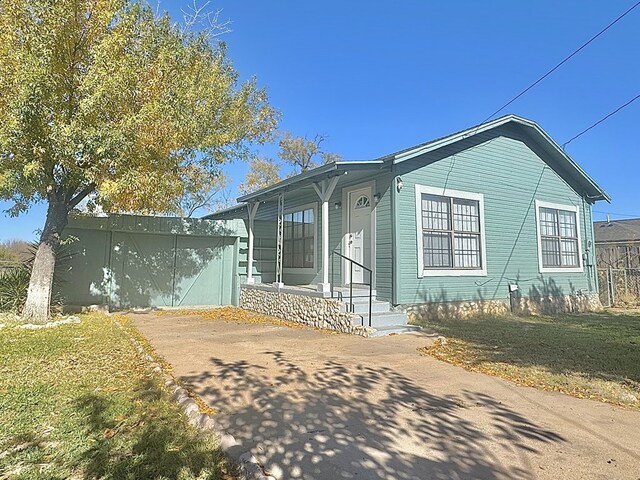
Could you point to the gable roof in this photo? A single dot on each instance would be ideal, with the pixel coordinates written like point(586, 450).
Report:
point(617, 231)
point(531, 129)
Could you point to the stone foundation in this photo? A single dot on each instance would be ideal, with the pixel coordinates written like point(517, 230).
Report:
point(522, 306)
point(313, 311)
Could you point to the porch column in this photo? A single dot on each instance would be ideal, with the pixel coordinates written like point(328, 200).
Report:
point(324, 190)
point(253, 209)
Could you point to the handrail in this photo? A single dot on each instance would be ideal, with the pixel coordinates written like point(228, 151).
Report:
point(352, 262)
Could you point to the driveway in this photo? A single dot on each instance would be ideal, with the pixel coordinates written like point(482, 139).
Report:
point(314, 405)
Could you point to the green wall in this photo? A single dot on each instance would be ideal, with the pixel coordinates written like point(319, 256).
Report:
point(507, 170)
point(133, 261)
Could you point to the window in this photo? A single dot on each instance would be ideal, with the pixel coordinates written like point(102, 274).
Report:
point(299, 239)
point(450, 232)
point(558, 237)
point(362, 202)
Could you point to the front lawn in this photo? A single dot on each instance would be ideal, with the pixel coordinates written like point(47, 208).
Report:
point(76, 401)
point(589, 356)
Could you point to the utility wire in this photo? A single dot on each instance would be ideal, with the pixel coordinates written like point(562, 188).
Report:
point(601, 120)
point(561, 63)
point(628, 215)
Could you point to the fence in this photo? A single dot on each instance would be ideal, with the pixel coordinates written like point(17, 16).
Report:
point(619, 286)
point(128, 261)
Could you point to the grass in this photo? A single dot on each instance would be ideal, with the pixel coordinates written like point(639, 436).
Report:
point(76, 401)
point(594, 356)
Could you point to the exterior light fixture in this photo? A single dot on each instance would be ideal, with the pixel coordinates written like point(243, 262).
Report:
point(337, 205)
point(376, 198)
point(399, 184)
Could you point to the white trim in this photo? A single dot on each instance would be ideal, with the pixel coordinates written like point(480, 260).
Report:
point(449, 272)
point(346, 191)
point(569, 208)
point(252, 210)
point(306, 270)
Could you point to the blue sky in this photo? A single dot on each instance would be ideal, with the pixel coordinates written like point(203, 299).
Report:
point(376, 77)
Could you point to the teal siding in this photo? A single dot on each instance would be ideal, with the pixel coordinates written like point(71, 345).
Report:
point(511, 176)
point(133, 261)
point(265, 228)
point(384, 238)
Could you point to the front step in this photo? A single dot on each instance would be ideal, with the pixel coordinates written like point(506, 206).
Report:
point(361, 306)
point(383, 319)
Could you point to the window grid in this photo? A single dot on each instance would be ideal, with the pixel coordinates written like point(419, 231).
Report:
point(451, 233)
point(558, 238)
point(299, 239)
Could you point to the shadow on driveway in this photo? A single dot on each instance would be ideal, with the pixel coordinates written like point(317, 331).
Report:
point(361, 422)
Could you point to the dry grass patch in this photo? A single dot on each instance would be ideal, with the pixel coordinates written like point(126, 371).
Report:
point(237, 314)
point(594, 356)
point(77, 401)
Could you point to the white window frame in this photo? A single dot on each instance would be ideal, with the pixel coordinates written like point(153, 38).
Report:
point(569, 208)
point(302, 270)
point(449, 272)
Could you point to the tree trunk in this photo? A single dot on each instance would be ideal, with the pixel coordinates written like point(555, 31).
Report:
point(36, 309)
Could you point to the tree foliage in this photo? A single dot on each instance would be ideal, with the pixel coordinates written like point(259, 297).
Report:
point(298, 153)
point(200, 190)
point(303, 154)
point(105, 98)
point(103, 95)
point(262, 173)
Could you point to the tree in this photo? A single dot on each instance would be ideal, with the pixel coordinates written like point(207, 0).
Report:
point(262, 173)
point(304, 154)
point(200, 190)
point(103, 97)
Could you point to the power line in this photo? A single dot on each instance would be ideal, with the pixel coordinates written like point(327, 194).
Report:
point(566, 59)
point(617, 214)
point(601, 120)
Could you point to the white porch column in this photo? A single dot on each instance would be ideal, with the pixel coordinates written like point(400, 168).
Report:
point(324, 190)
point(253, 209)
point(325, 247)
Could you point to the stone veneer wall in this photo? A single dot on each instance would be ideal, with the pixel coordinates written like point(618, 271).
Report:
point(523, 306)
point(313, 311)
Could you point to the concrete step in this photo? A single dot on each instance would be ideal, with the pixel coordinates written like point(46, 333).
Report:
point(343, 292)
point(362, 306)
point(395, 330)
point(382, 319)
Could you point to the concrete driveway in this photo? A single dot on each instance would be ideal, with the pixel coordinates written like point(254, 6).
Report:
point(313, 405)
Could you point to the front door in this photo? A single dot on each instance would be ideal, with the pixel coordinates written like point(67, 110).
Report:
point(358, 236)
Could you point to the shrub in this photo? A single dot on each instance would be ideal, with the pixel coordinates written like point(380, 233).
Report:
point(14, 284)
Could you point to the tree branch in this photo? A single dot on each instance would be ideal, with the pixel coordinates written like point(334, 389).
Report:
point(81, 195)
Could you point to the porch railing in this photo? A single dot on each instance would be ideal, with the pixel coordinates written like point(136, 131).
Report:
point(352, 262)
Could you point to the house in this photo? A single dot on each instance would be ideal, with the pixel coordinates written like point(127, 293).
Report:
point(618, 243)
point(489, 219)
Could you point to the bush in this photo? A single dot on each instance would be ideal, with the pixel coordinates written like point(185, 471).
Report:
point(14, 284)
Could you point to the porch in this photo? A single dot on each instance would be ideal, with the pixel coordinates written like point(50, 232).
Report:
point(318, 231)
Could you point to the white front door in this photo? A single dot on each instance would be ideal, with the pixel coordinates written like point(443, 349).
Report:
point(358, 236)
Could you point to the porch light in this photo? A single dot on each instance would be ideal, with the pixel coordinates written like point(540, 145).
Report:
point(337, 205)
point(399, 184)
point(376, 198)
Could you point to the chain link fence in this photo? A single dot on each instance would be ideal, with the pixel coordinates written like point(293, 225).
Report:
point(619, 286)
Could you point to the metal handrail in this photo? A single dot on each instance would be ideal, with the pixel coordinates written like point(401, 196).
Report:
point(352, 262)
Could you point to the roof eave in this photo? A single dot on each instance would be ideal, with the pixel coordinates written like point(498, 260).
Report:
point(329, 170)
point(600, 194)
